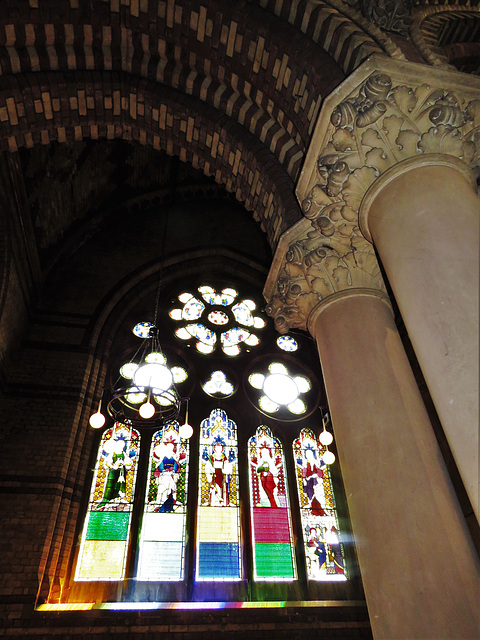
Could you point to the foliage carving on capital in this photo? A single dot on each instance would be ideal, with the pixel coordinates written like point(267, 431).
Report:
point(380, 125)
point(317, 266)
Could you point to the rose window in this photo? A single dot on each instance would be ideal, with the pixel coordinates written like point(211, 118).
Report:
point(217, 320)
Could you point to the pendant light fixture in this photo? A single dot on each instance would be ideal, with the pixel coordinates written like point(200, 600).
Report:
point(326, 438)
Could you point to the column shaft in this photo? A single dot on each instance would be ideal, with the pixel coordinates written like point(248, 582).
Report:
point(420, 571)
point(424, 223)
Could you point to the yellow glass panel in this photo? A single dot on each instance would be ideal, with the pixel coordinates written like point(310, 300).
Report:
point(102, 560)
point(217, 524)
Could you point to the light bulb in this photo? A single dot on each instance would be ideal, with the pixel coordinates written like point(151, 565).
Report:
point(147, 410)
point(185, 431)
point(328, 457)
point(97, 420)
point(326, 438)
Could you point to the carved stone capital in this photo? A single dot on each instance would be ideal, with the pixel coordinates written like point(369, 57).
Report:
point(385, 113)
point(309, 267)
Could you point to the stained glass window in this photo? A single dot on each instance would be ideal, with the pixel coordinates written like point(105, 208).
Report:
point(162, 536)
point(273, 557)
point(103, 550)
point(287, 343)
point(218, 385)
point(321, 533)
point(280, 389)
point(218, 519)
point(201, 319)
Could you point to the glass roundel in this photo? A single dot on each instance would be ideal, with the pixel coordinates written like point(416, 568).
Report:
point(142, 329)
point(278, 389)
point(287, 343)
point(217, 320)
point(218, 385)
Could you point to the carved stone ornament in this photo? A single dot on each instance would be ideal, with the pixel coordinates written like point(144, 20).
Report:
point(382, 122)
point(389, 15)
point(319, 264)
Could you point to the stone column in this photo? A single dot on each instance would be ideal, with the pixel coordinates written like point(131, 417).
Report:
point(420, 572)
point(419, 569)
point(424, 219)
point(390, 163)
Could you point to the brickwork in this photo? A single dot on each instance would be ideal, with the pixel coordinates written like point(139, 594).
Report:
point(239, 102)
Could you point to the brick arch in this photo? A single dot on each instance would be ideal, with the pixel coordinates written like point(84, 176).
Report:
point(255, 67)
point(448, 36)
point(268, 66)
point(42, 108)
point(340, 30)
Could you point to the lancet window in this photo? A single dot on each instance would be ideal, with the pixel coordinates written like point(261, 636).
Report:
point(104, 546)
point(270, 509)
point(218, 524)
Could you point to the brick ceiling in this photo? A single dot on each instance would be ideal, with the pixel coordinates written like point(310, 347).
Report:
point(231, 89)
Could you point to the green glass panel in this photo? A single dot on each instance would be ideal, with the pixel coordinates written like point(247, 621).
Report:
point(107, 526)
point(273, 560)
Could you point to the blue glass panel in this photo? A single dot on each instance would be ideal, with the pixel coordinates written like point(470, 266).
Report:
point(218, 560)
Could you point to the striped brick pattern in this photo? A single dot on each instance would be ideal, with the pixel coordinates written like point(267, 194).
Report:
point(325, 24)
point(243, 61)
point(261, 68)
point(97, 105)
point(455, 35)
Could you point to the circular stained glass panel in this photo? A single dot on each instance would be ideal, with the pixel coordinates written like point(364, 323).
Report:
point(287, 343)
point(193, 309)
point(179, 374)
point(127, 370)
point(218, 385)
point(142, 329)
point(218, 317)
point(268, 405)
point(280, 388)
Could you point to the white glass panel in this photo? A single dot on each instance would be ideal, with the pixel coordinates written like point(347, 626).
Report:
point(193, 309)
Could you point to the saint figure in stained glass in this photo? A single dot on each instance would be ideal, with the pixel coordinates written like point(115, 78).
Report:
point(218, 470)
point(270, 509)
point(267, 471)
point(103, 550)
point(118, 462)
point(321, 534)
point(218, 515)
point(166, 468)
point(312, 475)
point(162, 535)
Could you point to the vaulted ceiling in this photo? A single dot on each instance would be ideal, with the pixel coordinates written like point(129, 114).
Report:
point(231, 89)
point(97, 98)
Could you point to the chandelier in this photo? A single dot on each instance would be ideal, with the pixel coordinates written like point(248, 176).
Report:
point(145, 394)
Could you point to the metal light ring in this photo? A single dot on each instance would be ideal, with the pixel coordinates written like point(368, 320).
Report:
point(119, 407)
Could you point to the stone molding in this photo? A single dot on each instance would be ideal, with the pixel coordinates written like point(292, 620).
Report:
point(385, 113)
point(340, 296)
